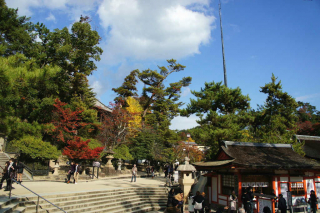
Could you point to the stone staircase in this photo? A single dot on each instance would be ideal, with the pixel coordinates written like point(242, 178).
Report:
point(118, 200)
point(3, 159)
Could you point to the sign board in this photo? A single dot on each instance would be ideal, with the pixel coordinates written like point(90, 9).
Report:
point(289, 198)
point(96, 164)
point(254, 184)
point(263, 203)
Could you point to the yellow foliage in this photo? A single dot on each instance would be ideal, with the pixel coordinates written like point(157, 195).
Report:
point(190, 140)
point(135, 109)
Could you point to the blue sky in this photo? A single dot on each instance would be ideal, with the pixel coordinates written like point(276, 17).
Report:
point(260, 37)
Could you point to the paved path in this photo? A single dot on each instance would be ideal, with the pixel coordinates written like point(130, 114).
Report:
point(53, 187)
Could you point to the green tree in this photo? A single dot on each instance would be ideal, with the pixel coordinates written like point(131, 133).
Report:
point(160, 103)
point(276, 120)
point(122, 152)
point(223, 114)
point(36, 149)
point(142, 145)
point(16, 32)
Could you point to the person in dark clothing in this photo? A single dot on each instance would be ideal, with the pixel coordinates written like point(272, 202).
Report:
point(266, 209)
point(11, 170)
point(245, 200)
point(19, 170)
point(165, 171)
point(313, 200)
point(170, 197)
point(282, 204)
point(5, 174)
point(250, 200)
point(71, 171)
point(199, 203)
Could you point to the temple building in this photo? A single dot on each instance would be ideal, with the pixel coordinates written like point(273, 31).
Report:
point(266, 168)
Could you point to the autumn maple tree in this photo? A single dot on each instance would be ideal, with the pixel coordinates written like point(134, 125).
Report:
point(66, 122)
point(66, 125)
point(79, 149)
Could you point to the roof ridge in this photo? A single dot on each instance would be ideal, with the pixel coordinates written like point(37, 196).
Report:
point(277, 145)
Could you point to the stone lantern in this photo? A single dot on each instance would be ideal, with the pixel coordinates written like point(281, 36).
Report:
point(185, 177)
point(109, 170)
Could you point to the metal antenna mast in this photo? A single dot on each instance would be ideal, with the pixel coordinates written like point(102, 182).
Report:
point(224, 62)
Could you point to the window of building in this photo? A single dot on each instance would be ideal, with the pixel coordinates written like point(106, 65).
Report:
point(228, 184)
point(297, 188)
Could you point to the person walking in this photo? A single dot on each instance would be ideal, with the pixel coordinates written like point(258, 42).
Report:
point(179, 197)
point(20, 168)
point(76, 173)
point(71, 171)
point(244, 199)
point(148, 171)
point(11, 172)
point(313, 201)
point(205, 203)
point(233, 202)
point(5, 174)
point(198, 202)
point(282, 204)
point(134, 173)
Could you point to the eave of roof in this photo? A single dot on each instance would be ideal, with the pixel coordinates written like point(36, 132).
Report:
point(100, 105)
point(213, 163)
point(308, 137)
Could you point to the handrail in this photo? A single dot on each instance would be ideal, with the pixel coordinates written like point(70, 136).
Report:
point(35, 194)
point(27, 168)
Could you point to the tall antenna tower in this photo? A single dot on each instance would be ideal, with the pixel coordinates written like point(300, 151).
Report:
point(224, 62)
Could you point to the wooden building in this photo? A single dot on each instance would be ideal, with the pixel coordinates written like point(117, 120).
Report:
point(264, 167)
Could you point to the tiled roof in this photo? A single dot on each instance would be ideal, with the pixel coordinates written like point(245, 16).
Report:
point(100, 105)
point(279, 156)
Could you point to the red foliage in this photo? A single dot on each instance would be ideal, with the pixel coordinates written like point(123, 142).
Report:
point(66, 121)
point(78, 149)
point(308, 128)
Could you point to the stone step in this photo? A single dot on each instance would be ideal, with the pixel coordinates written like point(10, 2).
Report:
point(106, 199)
point(143, 208)
point(110, 191)
point(123, 206)
point(10, 207)
point(115, 200)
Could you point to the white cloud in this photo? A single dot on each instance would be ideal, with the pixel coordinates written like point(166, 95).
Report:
point(99, 85)
point(23, 5)
point(51, 18)
point(140, 30)
point(74, 8)
point(97, 88)
point(180, 123)
point(185, 91)
point(308, 97)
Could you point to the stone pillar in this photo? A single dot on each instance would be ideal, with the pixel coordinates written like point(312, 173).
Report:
point(185, 178)
point(119, 164)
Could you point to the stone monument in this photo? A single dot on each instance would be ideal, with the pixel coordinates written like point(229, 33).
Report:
point(185, 177)
point(109, 170)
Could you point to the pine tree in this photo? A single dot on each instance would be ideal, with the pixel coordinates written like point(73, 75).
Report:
point(276, 120)
point(223, 114)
